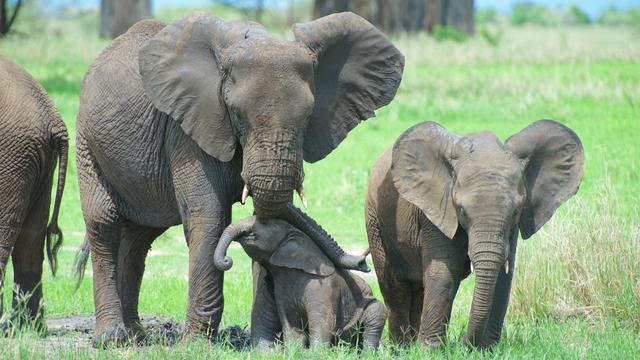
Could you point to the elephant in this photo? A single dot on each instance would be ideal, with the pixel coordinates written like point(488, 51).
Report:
point(440, 206)
point(303, 296)
point(33, 139)
point(179, 121)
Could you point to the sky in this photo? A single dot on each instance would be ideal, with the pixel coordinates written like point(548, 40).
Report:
point(592, 7)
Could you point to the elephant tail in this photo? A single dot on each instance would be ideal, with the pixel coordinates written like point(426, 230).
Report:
point(80, 264)
point(54, 234)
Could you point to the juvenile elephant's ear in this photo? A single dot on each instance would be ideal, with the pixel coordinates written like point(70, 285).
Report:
point(422, 173)
point(358, 71)
point(554, 161)
point(297, 251)
point(181, 74)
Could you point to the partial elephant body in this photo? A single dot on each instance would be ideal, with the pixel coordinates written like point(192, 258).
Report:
point(438, 202)
point(179, 121)
point(299, 292)
point(33, 139)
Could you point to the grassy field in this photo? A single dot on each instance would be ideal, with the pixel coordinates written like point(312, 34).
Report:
point(577, 283)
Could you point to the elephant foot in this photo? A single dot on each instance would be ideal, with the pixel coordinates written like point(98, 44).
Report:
point(113, 335)
point(480, 345)
point(136, 332)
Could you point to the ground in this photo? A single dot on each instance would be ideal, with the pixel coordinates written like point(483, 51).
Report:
point(577, 282)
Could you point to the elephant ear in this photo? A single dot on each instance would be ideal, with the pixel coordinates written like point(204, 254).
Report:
point(358, 70)
point(297, 251)
point(181, 74)
point(554, 161)
point(422, 172)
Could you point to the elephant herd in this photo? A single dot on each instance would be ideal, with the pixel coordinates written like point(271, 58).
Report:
point(177, 122)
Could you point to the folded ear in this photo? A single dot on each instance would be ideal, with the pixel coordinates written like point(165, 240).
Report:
point(358, 71)
point(422, 173)
point(554, 166)
point(297, 251)
point(181, 74)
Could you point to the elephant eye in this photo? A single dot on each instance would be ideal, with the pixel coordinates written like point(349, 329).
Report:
point(462, 212)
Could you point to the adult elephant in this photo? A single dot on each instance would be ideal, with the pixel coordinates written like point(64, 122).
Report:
point(33, 139)
point(439, 203)
point(174, 119)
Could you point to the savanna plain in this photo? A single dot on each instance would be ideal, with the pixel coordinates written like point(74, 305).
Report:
point(577, 282)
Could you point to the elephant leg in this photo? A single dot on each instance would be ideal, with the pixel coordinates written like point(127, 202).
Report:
point(265, 323)
point(28, 258)
point(103, 230)
point(397, 296)
point(293, 332)
point(373, 320)
point(415, 315)
point(443, 268)
point(8, 236)
point(134, 245)
point(206, 302)
point(322, 324)
point(500, 304)
point(14, 195)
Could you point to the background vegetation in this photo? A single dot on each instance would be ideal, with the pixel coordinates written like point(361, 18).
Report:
point(577, 283)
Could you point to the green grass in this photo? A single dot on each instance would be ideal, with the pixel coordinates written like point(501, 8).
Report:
point(577, 284)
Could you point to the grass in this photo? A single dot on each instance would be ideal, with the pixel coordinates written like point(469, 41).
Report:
point(577, 283)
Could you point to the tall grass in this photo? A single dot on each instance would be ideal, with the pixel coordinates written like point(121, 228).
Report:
point(585, 262)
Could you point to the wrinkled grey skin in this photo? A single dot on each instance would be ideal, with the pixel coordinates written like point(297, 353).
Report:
point(173, 120)
point(33, 139)
point(301, 294)
point(439, 203)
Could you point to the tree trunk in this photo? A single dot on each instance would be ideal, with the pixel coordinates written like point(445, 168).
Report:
point(5, 20)
point(117, 16)
point(405, 15)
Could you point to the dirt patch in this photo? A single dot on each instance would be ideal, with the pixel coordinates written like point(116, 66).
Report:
point(76, 332)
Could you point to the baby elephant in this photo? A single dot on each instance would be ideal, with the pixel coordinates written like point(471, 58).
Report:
point(307, 298)
point(33, 139)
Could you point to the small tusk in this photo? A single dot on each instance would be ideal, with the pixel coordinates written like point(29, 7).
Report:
point(245, 193)
point(302, 197)
point(506, 267)
point(471, 267)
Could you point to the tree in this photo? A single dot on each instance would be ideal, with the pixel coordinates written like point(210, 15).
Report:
point(117, 16)
point(5, 20)
point(405, 15)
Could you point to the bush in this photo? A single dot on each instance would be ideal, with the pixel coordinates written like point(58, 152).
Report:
point(584, 263)
point(442, 33)
point(486, 16)
point(614, 16)
point(529, 13)
point(578, 16)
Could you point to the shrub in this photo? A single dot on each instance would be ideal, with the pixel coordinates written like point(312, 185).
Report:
point(442, 33)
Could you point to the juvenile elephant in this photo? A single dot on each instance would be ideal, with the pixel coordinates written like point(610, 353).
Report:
point(305, 296)
point(439, 203)
point(174, 119)
point(33, 138)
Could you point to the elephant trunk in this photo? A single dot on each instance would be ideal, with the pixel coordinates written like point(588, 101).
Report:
point(220, 259)
point(272, 170)
point(306, 224)
point(487, 253)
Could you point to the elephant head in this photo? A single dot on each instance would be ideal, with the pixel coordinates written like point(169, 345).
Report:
point(274, 242)
point(478, 185)
point(231, 84)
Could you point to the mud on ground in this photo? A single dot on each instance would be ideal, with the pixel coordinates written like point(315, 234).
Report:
point(76, 332)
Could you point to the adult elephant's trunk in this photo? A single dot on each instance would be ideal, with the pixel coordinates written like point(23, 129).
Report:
point(272, 170)
point(487, 253)
point(306, 224)
point(220, 259)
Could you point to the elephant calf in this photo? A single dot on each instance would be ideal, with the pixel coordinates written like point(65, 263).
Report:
point(438, 203)
point(32, 139)
point(304, 295)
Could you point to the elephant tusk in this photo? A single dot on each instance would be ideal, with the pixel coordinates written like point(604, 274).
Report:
point(245, 193)
point(300, 191)
point(471, 264)
point(506, 267)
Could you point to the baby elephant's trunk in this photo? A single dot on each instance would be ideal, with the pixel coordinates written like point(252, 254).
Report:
point(220, 259)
